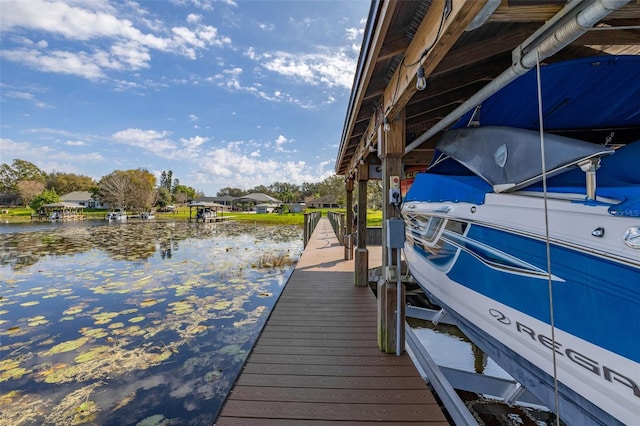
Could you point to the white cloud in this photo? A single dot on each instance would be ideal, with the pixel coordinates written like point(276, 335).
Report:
point(127, 47)
point(228, 167)
point(19, 95)
point(355, 34)
point(193, 142)
point(79, 64)
point(150, 140)
point(48, 158)
point(332, 69)
point(280, 142)
point(194, 18)
point(76, 143)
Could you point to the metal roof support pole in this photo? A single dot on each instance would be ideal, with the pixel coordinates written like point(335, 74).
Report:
point(561, 33)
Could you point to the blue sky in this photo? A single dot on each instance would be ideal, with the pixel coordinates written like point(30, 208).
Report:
point(223, 93)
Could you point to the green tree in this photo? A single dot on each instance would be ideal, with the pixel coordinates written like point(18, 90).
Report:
point(166, 180)
point(184, 192)
point(233, 192)
point(285, 191)
point(164, 197)
point(19, 170)
point(310, 189)
point(64, 183)
point(47, 196)
point(142, 191)
point(334, 185)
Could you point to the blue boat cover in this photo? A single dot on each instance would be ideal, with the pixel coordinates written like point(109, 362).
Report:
point(436, 188)
point(588, 93)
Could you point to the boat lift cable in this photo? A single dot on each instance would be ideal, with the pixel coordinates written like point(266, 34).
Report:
point(548, 245)
point(557, 33)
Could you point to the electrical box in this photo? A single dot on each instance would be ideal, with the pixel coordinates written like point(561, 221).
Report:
point(394, 196)
point(395, 233)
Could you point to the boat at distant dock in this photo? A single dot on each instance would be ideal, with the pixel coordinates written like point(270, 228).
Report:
point(116, 216)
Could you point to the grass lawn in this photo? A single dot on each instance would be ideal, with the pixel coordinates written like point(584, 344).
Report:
point(374, 217)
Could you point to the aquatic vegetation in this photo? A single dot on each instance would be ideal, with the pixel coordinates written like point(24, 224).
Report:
point(10, 369)
point(104, 317)
point(37, 320)
point(67, 346)
point(115, 317)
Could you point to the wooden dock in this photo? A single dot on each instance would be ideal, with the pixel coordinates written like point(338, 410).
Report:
point(317, 360)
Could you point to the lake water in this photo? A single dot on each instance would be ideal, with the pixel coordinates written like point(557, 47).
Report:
point(138, 323)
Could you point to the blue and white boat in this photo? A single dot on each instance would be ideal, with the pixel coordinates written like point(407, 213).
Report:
point(116, 216)
point(539, 262)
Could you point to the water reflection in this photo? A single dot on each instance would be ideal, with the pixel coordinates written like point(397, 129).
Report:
point(123, 323)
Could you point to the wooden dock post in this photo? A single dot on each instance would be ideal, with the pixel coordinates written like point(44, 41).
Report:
point(348, 244)
point(362, 254)
point(390, 327)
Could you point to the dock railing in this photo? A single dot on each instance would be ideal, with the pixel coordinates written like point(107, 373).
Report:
point(310, 222)
point(339, 224)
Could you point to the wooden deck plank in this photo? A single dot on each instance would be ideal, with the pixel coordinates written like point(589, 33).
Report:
point(241, 421)
point(335, 411)
point(331, 370)
point(325, 382)
point(317, 361)
point(382, 396)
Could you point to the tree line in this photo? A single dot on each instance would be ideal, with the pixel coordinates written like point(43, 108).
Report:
point(139, 190)
point(120, 189)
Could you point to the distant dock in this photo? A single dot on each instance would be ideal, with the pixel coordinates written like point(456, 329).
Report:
point(317, 359)
point(207, 212)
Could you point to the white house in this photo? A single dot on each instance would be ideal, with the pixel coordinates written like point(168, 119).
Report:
point(83, 198)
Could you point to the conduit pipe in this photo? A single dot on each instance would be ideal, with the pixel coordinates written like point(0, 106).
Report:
point(559, 38)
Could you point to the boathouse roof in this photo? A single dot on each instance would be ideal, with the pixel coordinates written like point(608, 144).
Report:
point(463, 47)
point(63, 205)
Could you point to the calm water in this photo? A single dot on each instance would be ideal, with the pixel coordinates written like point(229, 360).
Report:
point(137, 323)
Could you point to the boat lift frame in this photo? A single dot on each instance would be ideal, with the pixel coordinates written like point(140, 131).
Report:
point(445, 379)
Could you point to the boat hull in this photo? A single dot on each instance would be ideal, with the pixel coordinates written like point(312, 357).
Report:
point(491, 277)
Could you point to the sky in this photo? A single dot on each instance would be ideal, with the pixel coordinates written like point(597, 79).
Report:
point(224, 93)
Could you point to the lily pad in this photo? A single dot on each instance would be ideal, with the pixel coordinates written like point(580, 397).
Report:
point(67, 346)
point(14, 373)
point(92, 354)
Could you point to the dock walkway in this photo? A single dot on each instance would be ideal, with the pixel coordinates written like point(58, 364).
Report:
point(317, 360)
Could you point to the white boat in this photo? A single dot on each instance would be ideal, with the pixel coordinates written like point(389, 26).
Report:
point(147, 215)
point(543, 277)
point(116, 216)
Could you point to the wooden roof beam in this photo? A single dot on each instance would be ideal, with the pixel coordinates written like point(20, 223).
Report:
point(402, 85)
point(377, 41)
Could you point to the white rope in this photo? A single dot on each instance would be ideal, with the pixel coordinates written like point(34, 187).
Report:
point(548, 245)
